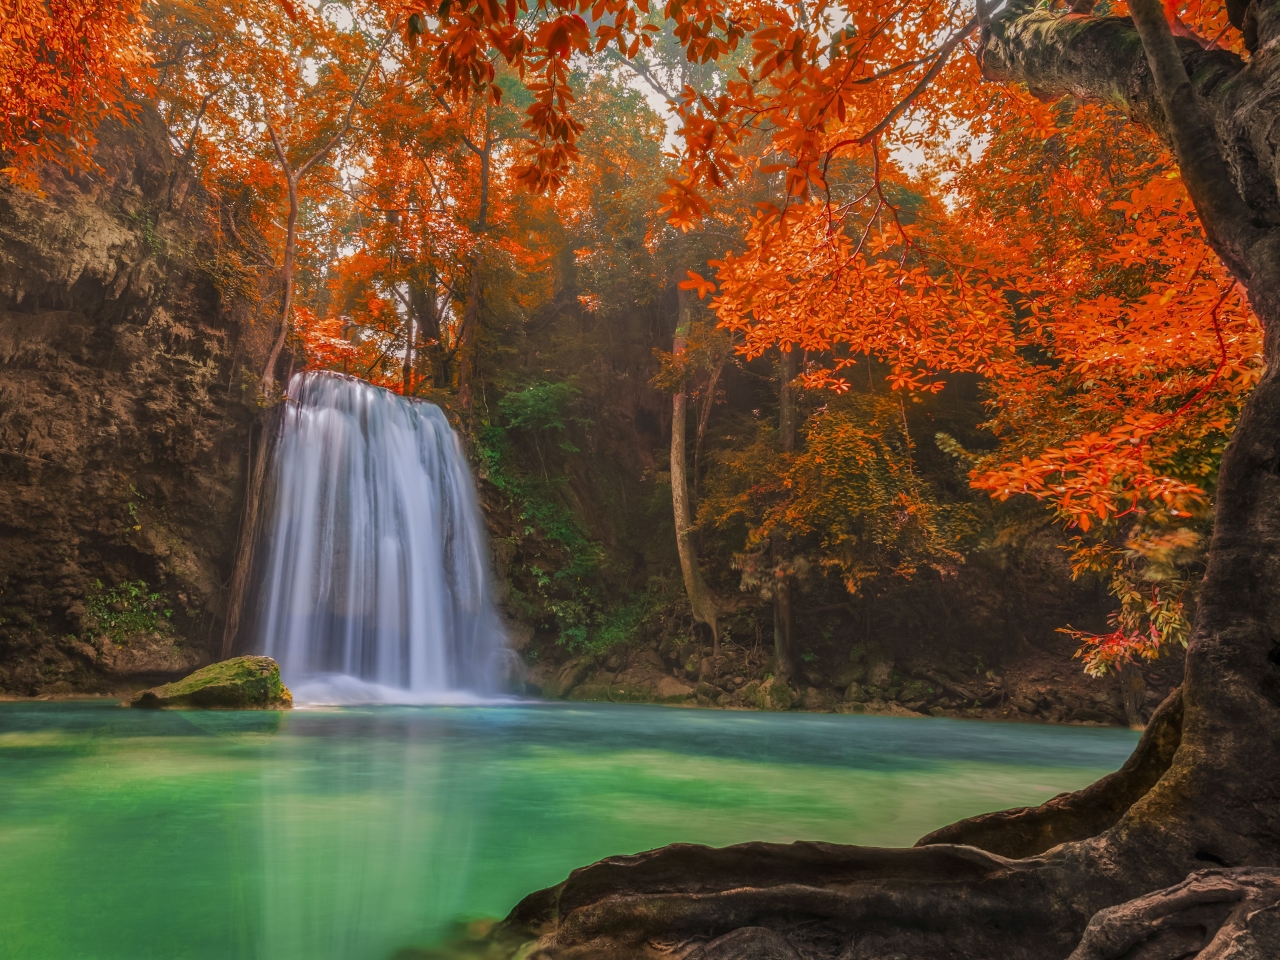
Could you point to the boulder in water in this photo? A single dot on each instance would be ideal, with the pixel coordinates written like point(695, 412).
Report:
point(241, 683)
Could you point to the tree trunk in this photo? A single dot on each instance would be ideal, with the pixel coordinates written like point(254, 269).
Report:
point(407, 385)
point(704, 417)
point(784, 619)
point(430, 360)
point(705, 609)
point(1105, 871)
point(286, 279)
point(293, 176)
point(1133, 691)
point(262, 439)
point(468, 332)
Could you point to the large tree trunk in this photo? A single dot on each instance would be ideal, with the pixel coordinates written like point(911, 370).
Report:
point(705, 609)
point(423, 299)
point(1103, 872)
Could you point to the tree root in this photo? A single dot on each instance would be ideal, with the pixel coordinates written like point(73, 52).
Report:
point(1212, 915)
point(1028, 831)
point(814, 899)
point(747, 903)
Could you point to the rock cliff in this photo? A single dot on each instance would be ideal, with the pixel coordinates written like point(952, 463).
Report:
point(125, 411)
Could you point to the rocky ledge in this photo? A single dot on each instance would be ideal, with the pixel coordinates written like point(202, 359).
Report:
point(241, 683)
point(1036, 685)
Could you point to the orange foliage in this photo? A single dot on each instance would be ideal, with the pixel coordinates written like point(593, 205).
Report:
point(1068, 268)
point(904, 211)
point(65, 65)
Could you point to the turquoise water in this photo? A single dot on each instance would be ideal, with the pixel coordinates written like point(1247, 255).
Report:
point(349, 834)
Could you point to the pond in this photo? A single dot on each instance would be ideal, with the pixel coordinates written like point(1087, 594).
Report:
point(348, 834)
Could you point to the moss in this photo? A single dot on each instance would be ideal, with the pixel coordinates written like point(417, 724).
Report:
point(241, 683)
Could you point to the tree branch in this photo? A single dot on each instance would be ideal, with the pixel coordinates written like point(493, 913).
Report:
point(944, 54)
point(355, 101)
point(644, 73)
point(1203, 103)
point(280, 154)
point(1092, 58)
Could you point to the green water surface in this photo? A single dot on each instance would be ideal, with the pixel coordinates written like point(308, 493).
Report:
point(348, 834)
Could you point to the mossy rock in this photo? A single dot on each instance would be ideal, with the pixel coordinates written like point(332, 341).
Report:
point(559, 686)
point(774, 694)
point(241, 683)
point(916, 690)
point(879, 667)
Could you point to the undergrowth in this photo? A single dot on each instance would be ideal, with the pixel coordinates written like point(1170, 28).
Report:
point(562, 567)
point(126, 609)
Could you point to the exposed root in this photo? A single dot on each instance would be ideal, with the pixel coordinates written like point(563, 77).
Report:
point(743, 903)
point(1028, 831)
point(1212, 915)
point(821, 900)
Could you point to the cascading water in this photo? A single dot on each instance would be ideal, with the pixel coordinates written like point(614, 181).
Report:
point(372, 569)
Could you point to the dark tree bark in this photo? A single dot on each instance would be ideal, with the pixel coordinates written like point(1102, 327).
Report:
point(1118, 870)
point(406, 374)
point(425, 305)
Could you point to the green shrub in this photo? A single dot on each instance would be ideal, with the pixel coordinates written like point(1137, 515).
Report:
point(126, 609)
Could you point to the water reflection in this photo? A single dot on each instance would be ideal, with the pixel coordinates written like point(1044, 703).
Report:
point(369, 839)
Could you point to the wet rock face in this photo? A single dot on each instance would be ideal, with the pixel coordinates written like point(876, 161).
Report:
point(124, 420)
point(241, 683)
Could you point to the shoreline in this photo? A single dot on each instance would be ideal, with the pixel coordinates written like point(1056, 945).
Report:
point(870, 710)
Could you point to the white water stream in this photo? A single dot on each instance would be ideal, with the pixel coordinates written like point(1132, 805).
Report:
point(375, 564)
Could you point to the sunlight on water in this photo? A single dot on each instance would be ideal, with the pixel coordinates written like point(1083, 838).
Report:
point(347, 834)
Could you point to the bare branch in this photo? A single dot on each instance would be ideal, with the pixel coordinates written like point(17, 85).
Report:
point(644, 73)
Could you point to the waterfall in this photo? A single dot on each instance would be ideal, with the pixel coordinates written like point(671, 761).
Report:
point(371, 569)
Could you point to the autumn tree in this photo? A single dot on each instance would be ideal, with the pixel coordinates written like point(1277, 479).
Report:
point(960, 289)
point(862, 80)
point(264, 94)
